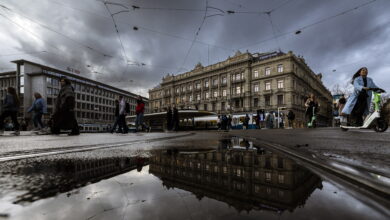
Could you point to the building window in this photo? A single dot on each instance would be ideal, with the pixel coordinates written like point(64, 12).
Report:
point(238, 90)
point(205, 107)
point(223, 106)
point(215, 82)
point(224, 80)
point(177, 90)
point(238, 76)
point(255, 102)
point(268, 176)
point(267, 71)
point(197, 85)
point(280, 100)
point(280, 162)
point(280, 84)
point(267, 99)
point(206, 84)
point(256, 88)
point(224, 93)
point(190, 87)
point(207, 95)
point(198, 97)
point(214, 107)
point(256, 74)
point(215, 94)
point(280, 68)
point(281, 178)
point(267, 85)
point(190, 98)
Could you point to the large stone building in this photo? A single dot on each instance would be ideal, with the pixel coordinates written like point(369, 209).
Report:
point(94, 99)
point(245, 83)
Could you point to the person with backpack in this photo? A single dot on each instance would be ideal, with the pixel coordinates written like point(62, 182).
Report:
point(11, 105)
point(38, 108)
point(139, 111)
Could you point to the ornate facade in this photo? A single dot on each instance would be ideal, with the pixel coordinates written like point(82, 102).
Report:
point(245, 83)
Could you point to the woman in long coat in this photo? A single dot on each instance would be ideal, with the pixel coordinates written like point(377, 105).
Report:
point(64, 115)
point(358, 103)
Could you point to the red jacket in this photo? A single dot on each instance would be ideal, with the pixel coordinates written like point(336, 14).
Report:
point(140, 108)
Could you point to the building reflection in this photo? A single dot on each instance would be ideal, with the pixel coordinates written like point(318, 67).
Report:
point(245, 177)
point(46, 178)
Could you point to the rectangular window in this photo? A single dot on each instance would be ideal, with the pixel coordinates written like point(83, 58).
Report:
point(206, 84)
point(224, 93)
point(256, 74)
point(223, 106)
point(197, 85)
point(215, 82)
point(267, 100)
point(280, 100)
point(198, 97)
point(238, 90)
point(268, 176)
point(207, 95)
point(255, 102)
point(205, 107)
point(224, 80)
point(280, 68)
point(256, 88)
point(215, 94)
point(190, 98)
point(267, 85)
point(238, 76)
point(281, 178)
point(280, 84)
point(177, 90)
point(267, 71)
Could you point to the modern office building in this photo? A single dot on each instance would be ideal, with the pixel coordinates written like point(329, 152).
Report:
point(94, 100)
point(245, 83)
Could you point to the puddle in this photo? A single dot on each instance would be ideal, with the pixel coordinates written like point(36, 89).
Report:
point(233, 180)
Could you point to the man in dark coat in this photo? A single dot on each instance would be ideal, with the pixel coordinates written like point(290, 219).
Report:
point(175, 119)
point(64, 115)
point(169, 118)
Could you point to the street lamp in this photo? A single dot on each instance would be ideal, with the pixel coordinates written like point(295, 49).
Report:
point(279, 108)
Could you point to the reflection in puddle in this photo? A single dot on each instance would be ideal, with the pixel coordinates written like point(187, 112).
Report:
point(234, 180)
point(46, 178)
point(238, 174)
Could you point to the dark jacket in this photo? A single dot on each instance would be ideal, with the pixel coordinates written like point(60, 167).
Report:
point(64, 116)
point(10, 104)
point(116, 110)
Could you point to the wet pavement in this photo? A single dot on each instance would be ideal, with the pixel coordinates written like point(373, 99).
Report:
point(229, 178)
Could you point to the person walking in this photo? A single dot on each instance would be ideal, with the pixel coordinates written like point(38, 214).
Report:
point(122, 116)
point(139, 111)
point(11, 106)
point(39, 108)
point(169, 118)
point(290, 118)
point(116, 113)
point(246, 122)
point(64, 116)
point(175, 119)
point(229, 122)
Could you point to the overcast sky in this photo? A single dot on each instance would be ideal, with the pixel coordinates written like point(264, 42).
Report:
point(82, 35)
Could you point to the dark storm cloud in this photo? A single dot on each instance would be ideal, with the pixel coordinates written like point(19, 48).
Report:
point(343, 43)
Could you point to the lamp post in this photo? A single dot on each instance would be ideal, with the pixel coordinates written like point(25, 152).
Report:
point(279, 108)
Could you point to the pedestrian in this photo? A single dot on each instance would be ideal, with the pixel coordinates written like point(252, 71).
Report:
point(10, 109)
point(139, 111)
point(116, 113)
point(219, 122)
point(229, 122)
point(169, 118)
point(358, 103)
point(64, 116)
point(39, 108)
point(122, 116)
point(341, 103)
point(290, 118)
point(224, 122)
point(312, 106)
point(246, 121)
point(175, 119)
